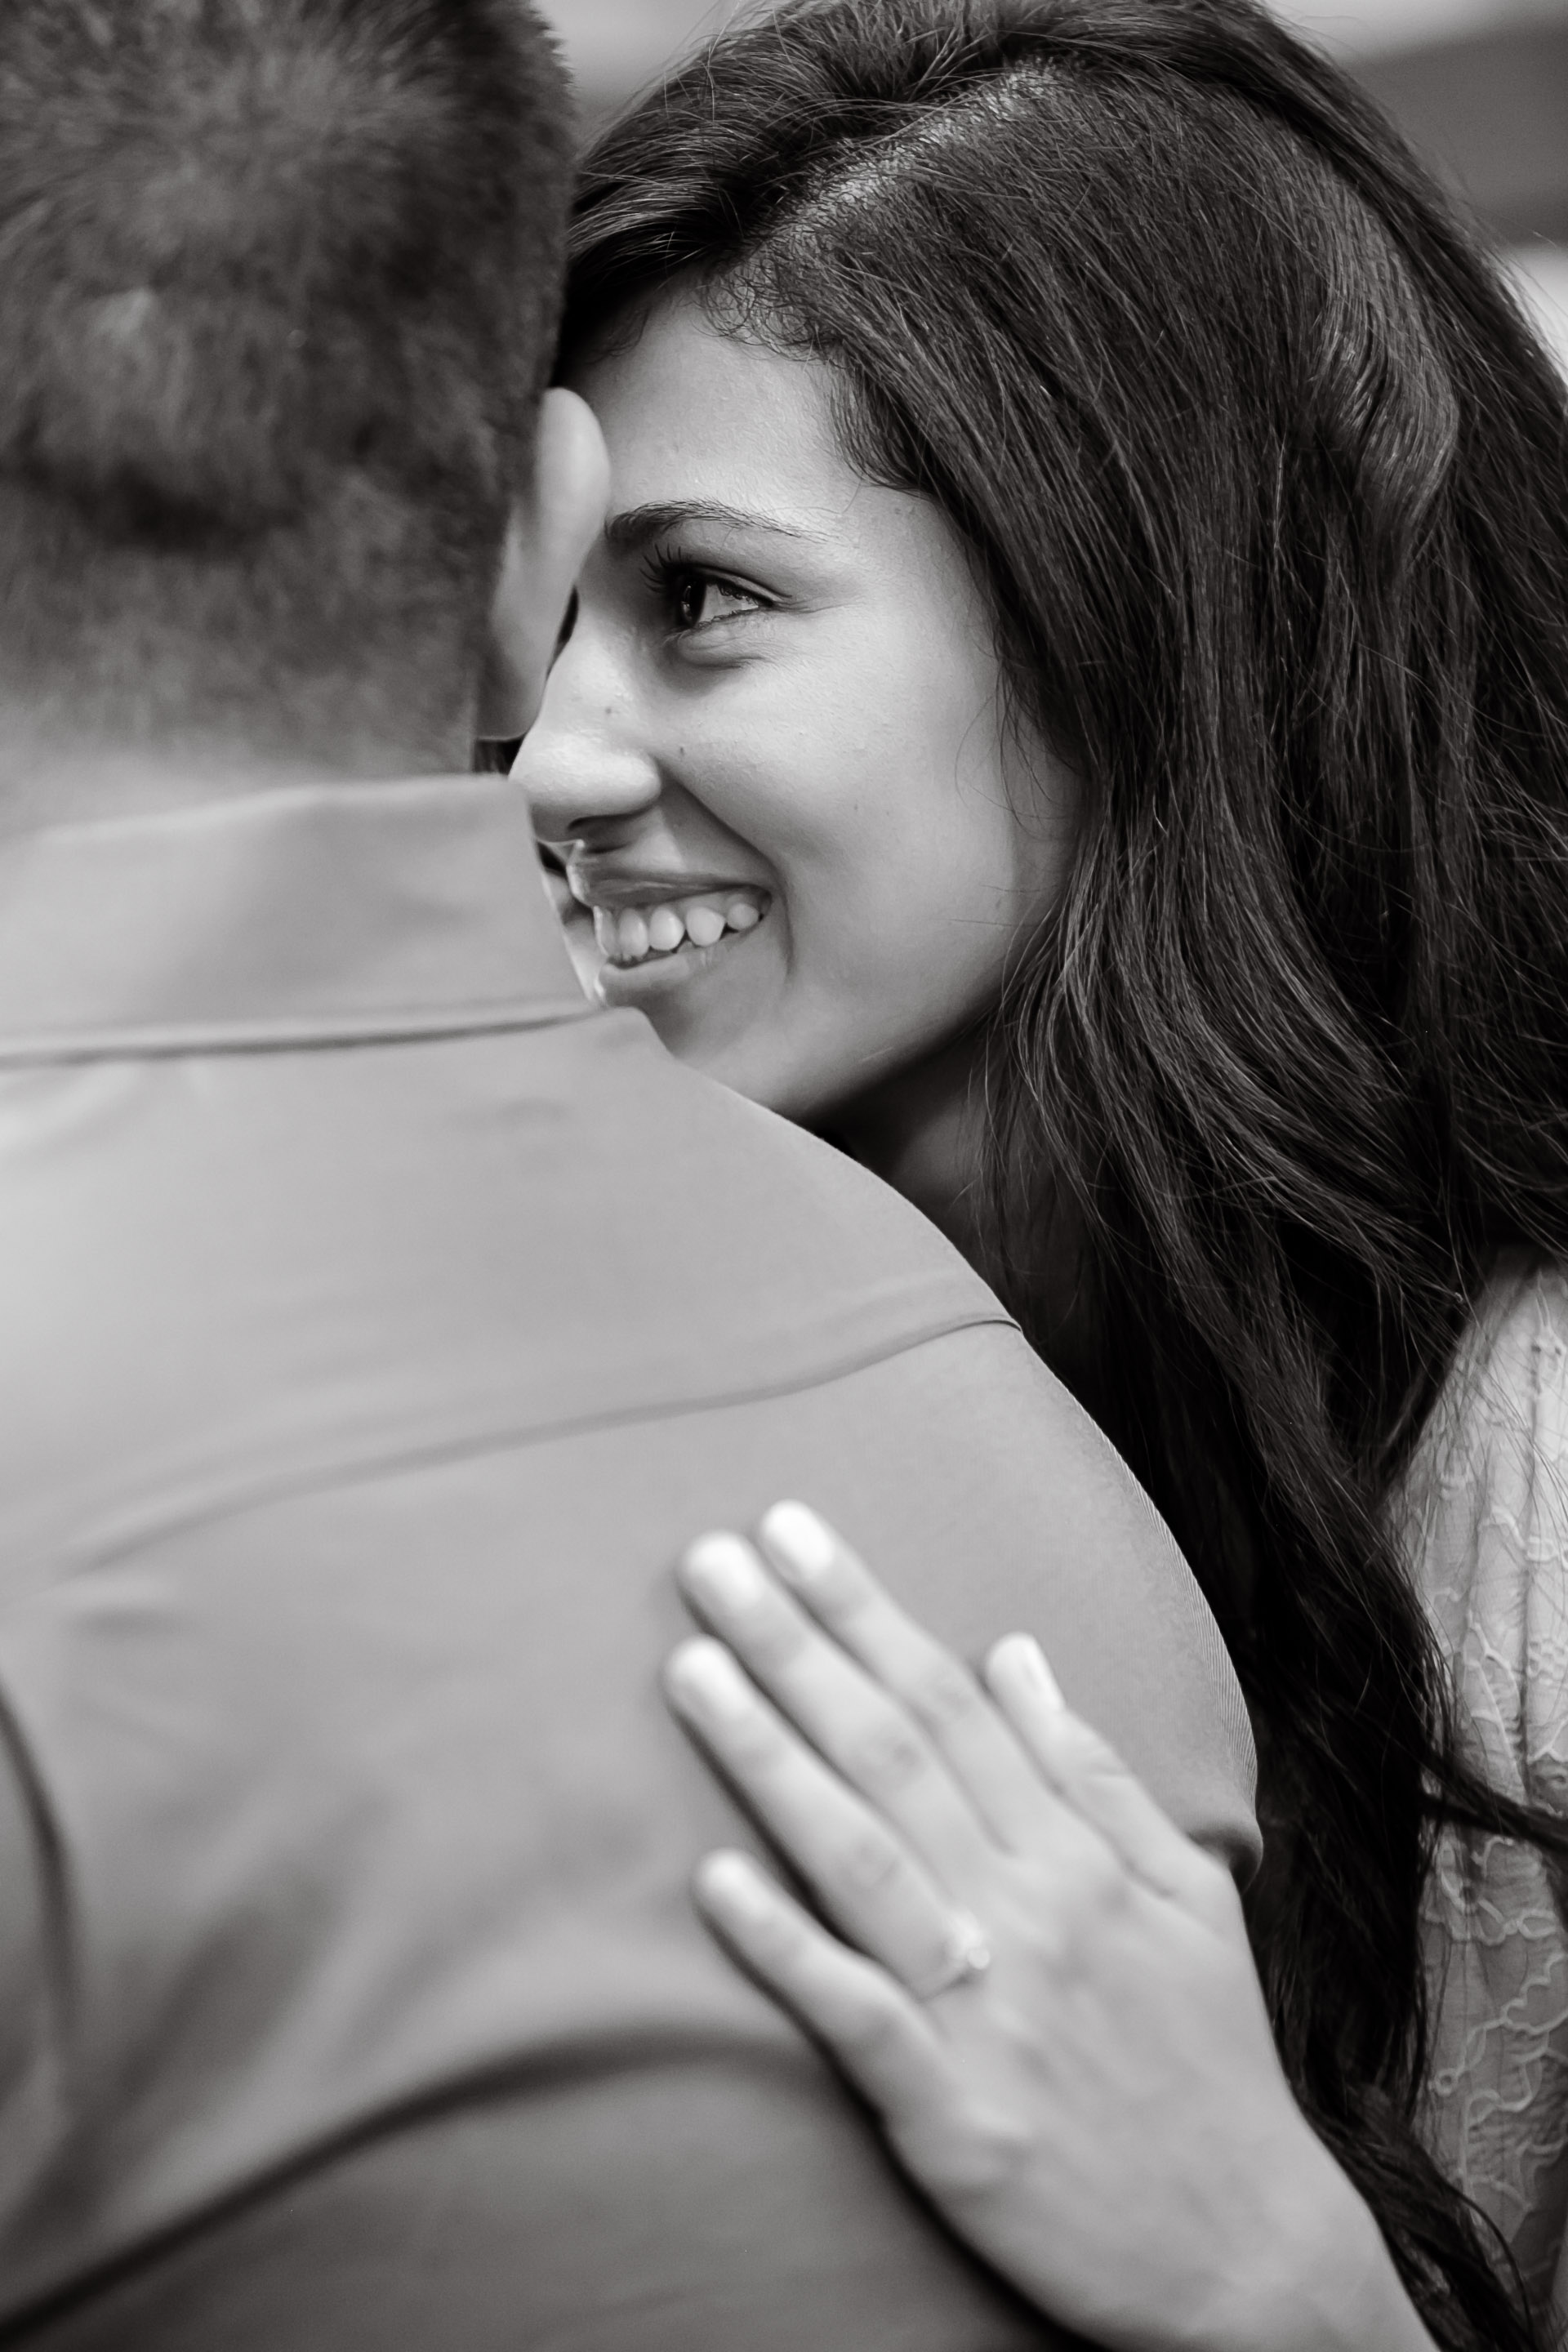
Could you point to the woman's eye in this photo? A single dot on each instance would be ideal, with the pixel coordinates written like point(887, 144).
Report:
point(698, 601)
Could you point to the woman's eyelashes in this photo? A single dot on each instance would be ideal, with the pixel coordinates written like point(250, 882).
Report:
point(697, 602)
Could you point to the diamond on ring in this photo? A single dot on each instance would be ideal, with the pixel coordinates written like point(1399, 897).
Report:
point(966, 1955)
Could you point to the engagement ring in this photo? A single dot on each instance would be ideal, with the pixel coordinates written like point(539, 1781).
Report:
point(966, 1955)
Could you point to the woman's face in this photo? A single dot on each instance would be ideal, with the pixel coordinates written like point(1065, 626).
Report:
point(772, 753)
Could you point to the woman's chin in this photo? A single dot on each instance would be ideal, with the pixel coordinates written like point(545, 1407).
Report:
point(754, 1056)
point(728, 1011)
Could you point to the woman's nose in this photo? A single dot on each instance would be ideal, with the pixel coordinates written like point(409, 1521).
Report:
point(581, 764)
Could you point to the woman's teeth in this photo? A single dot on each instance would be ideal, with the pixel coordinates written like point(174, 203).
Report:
point(638, 931)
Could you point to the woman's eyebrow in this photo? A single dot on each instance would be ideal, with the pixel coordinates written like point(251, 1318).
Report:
point(626, 533)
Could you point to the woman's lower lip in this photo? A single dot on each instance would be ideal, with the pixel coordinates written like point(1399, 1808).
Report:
point(658, 975)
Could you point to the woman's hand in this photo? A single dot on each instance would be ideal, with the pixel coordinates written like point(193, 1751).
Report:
point(1051, 2002)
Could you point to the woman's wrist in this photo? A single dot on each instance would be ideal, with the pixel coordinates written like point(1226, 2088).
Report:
point(1325, 2281)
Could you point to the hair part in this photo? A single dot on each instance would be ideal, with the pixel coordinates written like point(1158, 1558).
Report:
point(1267, 478)
point(280, 282)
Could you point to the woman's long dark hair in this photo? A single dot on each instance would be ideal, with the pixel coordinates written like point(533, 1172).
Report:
point(1267, 481)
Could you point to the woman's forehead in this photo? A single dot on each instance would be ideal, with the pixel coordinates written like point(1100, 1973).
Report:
point(700, 418)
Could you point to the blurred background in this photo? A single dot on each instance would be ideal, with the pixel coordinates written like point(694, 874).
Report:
point(1479, 86)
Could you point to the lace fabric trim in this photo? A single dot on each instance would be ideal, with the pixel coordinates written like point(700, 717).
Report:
point(1483, 1514)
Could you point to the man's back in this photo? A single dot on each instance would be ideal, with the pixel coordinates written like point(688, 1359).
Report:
point(382, 1328)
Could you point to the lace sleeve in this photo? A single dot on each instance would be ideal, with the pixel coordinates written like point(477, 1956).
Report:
point(1485, 1522)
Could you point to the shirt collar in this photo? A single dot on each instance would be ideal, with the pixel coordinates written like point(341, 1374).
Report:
point(294, 914)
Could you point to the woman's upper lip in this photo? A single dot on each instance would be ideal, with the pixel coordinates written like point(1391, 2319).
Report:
point(598, 886)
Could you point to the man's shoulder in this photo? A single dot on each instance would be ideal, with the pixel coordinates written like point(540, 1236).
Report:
point(734, 1152)
point(247, 1268)
point(706, 1228)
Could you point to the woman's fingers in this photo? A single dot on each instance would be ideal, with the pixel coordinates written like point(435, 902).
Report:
point(1093, 1779)
point(951, 1762)
point(878, 2034)
point(861, 1869)
point(937, 1689)
point(861, 1728)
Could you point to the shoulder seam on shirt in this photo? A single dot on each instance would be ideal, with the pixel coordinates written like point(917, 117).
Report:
point(314, 1033)
point(179, 1514)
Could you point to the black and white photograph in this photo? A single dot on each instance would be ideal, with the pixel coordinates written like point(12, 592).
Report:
point(784, 1175)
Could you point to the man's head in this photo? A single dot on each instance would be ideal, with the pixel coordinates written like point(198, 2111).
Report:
point(279, 288)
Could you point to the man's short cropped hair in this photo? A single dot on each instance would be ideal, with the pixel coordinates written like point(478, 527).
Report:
point(279, 291)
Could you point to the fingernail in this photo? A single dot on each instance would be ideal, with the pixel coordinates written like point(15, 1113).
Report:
point(734, 1883)
point(1022, 1656)
point(805, 1546)
point(725, 1571)
point(704, 1676)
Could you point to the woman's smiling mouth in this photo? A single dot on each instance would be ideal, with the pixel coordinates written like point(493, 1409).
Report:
point(635, 933)
point(639, 923)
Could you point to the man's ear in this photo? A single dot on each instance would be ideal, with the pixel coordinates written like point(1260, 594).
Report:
point(547, 541)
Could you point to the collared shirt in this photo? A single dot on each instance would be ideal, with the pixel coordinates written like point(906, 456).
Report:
point(378, 1324)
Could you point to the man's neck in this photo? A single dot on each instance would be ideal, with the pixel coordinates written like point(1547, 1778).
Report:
point(50, 779)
